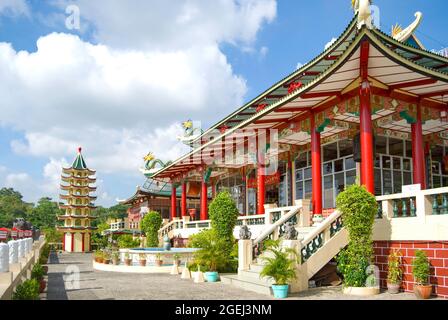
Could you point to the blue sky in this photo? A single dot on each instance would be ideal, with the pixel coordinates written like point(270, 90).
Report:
point(139, 68)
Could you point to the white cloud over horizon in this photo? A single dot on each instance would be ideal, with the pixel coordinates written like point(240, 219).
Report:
point(153, 67)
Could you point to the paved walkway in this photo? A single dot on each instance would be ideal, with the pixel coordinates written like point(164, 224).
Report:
point(99, 285)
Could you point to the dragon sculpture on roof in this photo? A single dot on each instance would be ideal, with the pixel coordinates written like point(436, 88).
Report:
point(402, 35)
point(152, 165)
point(190, 133)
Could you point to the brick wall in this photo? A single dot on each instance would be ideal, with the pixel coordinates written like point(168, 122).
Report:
point(437, 253)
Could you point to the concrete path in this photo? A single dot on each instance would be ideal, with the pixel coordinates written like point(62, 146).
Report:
point(94, 285)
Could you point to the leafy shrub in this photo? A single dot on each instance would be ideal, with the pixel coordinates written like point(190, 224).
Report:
point(213, 253)
point(28, 290)
point(358, 208)
point(421, 267)
point(126, 241)
point(150, 225)
point(45, 253)
point(394, 271)
point(281, 266)
point(37, 272)
point(223, 214)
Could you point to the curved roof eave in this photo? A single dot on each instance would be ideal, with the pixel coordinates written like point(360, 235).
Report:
point(348, 30)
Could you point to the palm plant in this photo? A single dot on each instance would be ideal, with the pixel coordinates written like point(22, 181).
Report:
point(279, 263)
point(213, 254)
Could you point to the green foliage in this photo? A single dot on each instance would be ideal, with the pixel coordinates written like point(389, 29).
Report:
point(213, 253)
point(45, 253)
point(421, 267)
point(52, 235)
point(37, 272)
point(223, 214)
point(44, 214)
point(279, 263)
point(28, 290)
point(195, 266)
point(11, 207)
point(358, 208)
point(394, 271)
point(150, 225)
point(125, 241)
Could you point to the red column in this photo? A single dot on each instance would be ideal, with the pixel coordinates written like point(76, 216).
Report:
point(261, 185)
point(316, 167)
point(73, 242)
point(173, 202)
point(83, 236)
point(365, 118)
point(204, 213)
point(184, 200)
point(418, 156)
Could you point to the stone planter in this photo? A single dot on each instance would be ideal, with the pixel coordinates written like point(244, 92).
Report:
point(116, 262)
point(393, 288)
point(361, 291)
point(127, 262)
point(142, 263)
point(159, 263)
point(423, 292)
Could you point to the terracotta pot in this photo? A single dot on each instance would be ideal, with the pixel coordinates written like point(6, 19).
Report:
point(159, 263)
point(42, 286)
point(423, 292)
point(116, 262)
point(393, 288)
point(45, 269)
point(100, 260)
point(106, 261)
point(127, 262)
point(142, 263)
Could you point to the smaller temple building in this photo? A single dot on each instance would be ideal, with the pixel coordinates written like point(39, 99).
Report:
point(79, 207)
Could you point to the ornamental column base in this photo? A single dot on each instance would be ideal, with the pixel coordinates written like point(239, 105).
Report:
point(317, 219)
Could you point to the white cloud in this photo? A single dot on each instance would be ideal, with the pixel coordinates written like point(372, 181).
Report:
point(157, 64)
point(14, 8)
point(328, 45)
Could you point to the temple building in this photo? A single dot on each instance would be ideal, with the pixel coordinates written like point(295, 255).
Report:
point(371, 109)
point(368, 96)
point(77, 183)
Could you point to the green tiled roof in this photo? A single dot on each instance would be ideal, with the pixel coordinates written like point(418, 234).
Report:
point(79, 163)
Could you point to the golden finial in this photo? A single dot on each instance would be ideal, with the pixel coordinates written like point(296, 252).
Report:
point(396, 29)
point(149, 157)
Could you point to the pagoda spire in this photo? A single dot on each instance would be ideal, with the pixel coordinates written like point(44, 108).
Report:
point(78, 205)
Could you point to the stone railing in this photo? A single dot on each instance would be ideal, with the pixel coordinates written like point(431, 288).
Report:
point(17, 258)
point(417, 215)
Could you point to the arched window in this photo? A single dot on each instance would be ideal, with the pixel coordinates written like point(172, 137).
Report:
point(78, 223)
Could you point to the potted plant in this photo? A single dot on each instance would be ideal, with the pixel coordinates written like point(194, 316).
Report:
point(176, 259)
point(116, 258)
point(28, 290)
point(127, 259)
point(99, 256)
point(394, 272)
point(142, 259)
point(38, 273)
point(420, 270)
point(106, 257)
point(279, 266)
point(213, 255)
point(159, 261)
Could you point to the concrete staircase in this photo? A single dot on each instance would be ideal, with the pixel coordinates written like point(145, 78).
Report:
point(250, 279)
point(317, 245)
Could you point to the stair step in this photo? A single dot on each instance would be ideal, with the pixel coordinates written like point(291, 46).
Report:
point(254, 275)
point(256, 267)
point(247, 284)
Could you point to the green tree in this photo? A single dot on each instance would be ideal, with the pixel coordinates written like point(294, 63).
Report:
point(358, 208)
point(44, 215)
point(150, 225)
point(12, 206)
point(126, 241)
point(223, 214)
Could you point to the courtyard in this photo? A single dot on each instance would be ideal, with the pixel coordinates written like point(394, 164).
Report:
point(99, 285)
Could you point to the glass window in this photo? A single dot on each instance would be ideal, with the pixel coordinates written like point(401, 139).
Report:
point(327, 168)
point(436, 181)
point(398, 183)
point(386, 162)
point(301, 161)
point(338, 165)
point(328, 192)
point(407, 178)
point(408, 149)
point(378, 182)
point(330, 152)
point(307, 173)
point(350, 177)
point(387, 182)
point(381, 144)
point(407, 164)
point(308, 189)
point(299, 174)
point(396, 147)
point(339, 183)
point(350, 163)
point(345, 148)
point(396, 164)
point(299, 189)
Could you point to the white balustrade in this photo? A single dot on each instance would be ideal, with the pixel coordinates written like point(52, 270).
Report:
point(4, 257)
point(21, 248)
point(13, 251)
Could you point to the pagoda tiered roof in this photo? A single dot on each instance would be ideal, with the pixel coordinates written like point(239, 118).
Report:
point(73, 196)
point(68, 178)
point(70, 186)
point(401, 76)
point(79, 228)
point(77, 206)
point(76, 216)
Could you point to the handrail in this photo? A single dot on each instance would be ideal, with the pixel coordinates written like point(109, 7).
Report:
point(268, 231)
point(322, 227)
